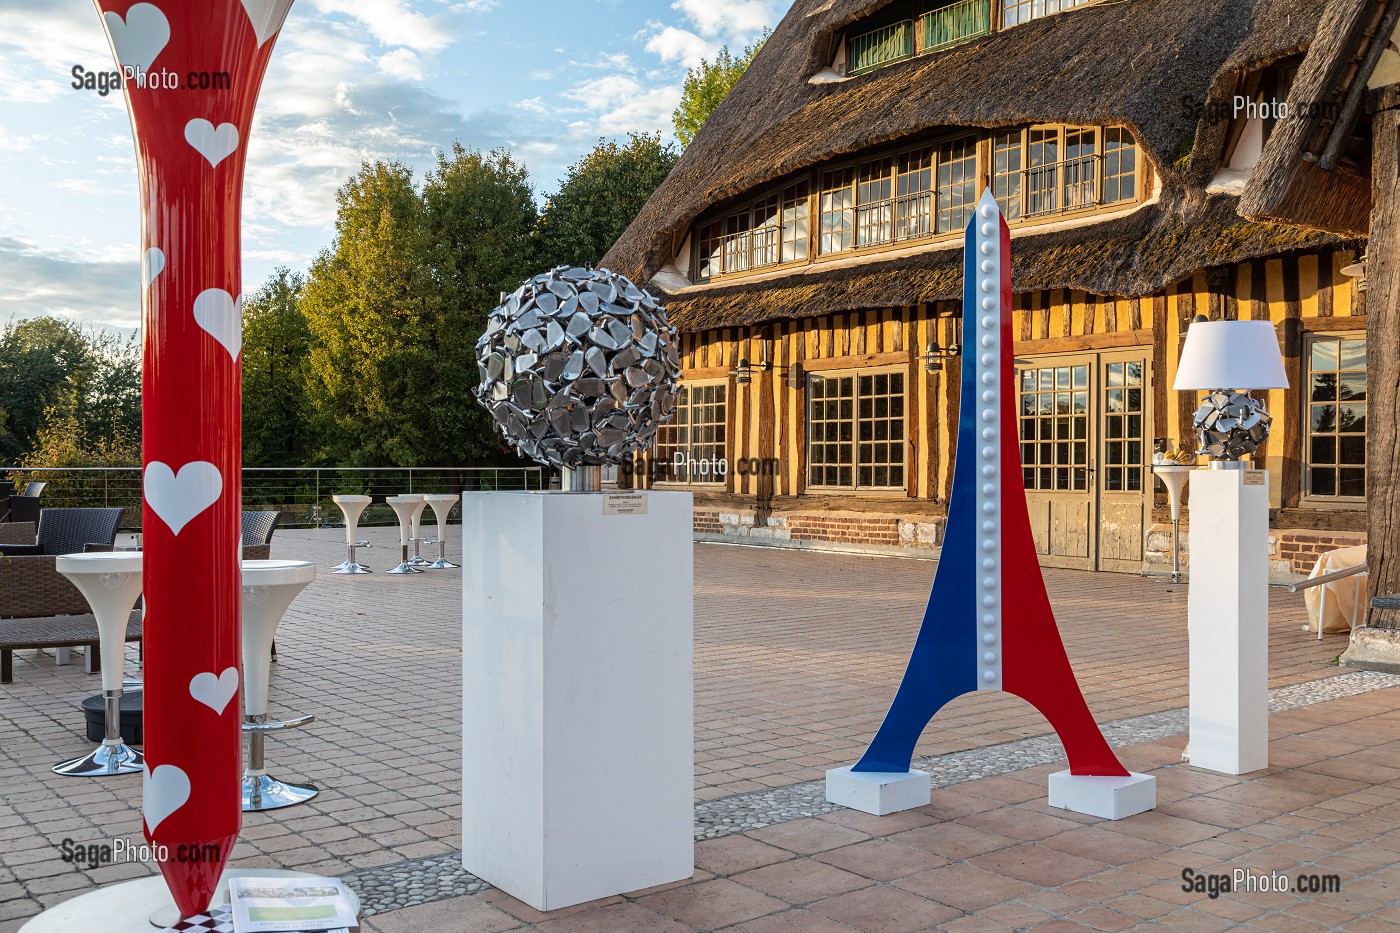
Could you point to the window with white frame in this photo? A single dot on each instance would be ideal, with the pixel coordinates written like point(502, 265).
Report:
point(856, 431)
point(1336, 422)
point(1044, 171)
point(690, 447)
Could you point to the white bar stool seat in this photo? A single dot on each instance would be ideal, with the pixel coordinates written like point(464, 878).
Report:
point(408, 508)
point(111, 583)
point(442, 507)
point(352, 507)
point(269, 586)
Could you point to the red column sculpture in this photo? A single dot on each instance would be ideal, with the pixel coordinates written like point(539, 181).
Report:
point(192, 71)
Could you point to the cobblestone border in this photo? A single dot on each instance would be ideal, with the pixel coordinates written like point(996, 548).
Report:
point(421, 881)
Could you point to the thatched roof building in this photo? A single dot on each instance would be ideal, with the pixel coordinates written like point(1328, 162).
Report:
point(1160, 67)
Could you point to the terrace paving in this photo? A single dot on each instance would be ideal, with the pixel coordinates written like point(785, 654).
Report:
point(797, 657)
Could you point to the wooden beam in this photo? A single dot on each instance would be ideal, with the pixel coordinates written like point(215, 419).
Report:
point(1110, 341)
point(1383, 369)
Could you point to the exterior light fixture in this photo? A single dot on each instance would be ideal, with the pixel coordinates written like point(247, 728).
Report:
point(935, 355)
point(743, 375)
point(1357, 270)
point(1228, 359)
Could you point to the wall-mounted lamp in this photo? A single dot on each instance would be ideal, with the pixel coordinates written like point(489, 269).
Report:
point(935, 356)
point(1357, 270)
point(744, 374)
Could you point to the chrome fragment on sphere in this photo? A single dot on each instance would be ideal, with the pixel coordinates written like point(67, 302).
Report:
point(579, 367)
point(1231, 425)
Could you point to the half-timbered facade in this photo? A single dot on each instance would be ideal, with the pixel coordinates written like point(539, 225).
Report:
point(809, 247)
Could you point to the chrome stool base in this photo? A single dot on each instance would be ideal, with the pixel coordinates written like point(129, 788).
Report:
point(261, 791)
point(443, 564)
point(103, 761)
point(348, 568)
point(264, 792)
point(404, 569)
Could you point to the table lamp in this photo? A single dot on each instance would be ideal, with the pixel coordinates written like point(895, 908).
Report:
point(1228, 359)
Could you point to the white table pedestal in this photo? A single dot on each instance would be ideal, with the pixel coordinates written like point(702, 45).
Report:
point(269, 586)
point(352, 507)
point(1229, 620)
point(578, 697)
point(111, 583)
point(408, 508)
point(442, 507)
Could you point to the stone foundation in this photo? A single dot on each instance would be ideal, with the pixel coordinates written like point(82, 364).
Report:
point(1374, 649)
point(1292, 552)
point(875, 533)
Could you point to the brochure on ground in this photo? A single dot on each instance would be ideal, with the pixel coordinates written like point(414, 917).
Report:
point(290, 905)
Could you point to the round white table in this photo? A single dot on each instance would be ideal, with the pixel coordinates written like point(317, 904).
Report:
point(111, 583)
point(269, 586)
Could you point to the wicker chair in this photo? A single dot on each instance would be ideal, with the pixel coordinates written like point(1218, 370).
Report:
point(257, 534)
point(70, 531)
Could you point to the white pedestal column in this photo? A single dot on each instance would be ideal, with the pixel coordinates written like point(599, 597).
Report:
point(1229, 620)
point(578, 696)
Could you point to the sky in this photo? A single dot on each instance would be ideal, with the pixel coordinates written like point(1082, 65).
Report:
point(350, 80)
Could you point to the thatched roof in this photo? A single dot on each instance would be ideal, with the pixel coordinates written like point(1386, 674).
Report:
point(1313, 171)
point(1148, 64)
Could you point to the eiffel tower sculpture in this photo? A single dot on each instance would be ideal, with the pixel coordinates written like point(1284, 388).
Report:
point(989, 625)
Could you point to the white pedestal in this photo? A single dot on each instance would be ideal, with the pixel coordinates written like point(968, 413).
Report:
point(1229, 620)
point(578, 698)
point(879, 793)
point(1110, 798)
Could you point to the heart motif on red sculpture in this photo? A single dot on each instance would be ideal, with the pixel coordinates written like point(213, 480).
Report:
point(215, 692)
point(179, 498)
point(214, 143)
point(165, 791)
point(221, 317)
point(140, 38)
point(266, 16)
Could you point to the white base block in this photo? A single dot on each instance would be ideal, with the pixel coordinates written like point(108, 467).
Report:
point(578, 740)
point(879, 793)
point(1229, 621)
point(1111, 798)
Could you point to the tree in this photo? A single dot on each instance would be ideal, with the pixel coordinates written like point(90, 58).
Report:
point(365, 302)
point(602, 194)
point(276, 351)
point(479, 213)
point(46, 363)
point(706, 85)
point(395, 307)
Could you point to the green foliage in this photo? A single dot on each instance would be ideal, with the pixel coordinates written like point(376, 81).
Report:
point(602, 194)
point(706, 86)
point(276, 350)
point(47, 365)
point(395, 307)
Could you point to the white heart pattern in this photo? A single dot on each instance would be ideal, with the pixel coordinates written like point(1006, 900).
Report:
point(266, 16)
point(164, 792)
point(215, 692)
point(214, 144)
point(178, 499)
point(137, 40)
point(152, 265)
point(221, 316)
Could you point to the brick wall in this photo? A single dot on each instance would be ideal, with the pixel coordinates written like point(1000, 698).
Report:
point(877, 532)
point(1302, 548)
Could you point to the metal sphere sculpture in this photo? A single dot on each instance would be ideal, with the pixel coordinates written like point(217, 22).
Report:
point(579, 368)
point(1231, 425)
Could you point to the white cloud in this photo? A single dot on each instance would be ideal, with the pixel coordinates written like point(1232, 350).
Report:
point(91, 289)
point(402, 63)
point(680, 45)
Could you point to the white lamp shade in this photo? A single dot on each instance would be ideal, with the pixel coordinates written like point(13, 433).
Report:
point(1231, 355)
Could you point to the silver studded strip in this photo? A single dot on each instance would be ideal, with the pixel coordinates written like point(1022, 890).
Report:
point(988, 384)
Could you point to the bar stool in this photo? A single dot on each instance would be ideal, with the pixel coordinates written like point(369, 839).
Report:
point(352, 507)
point(111, 583)
point(417, 560)
point(269, 586)
point(442, 507)
point(407, 508)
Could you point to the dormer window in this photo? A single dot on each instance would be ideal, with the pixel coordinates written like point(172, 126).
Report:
point(934, 26)
point(1015, 12)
